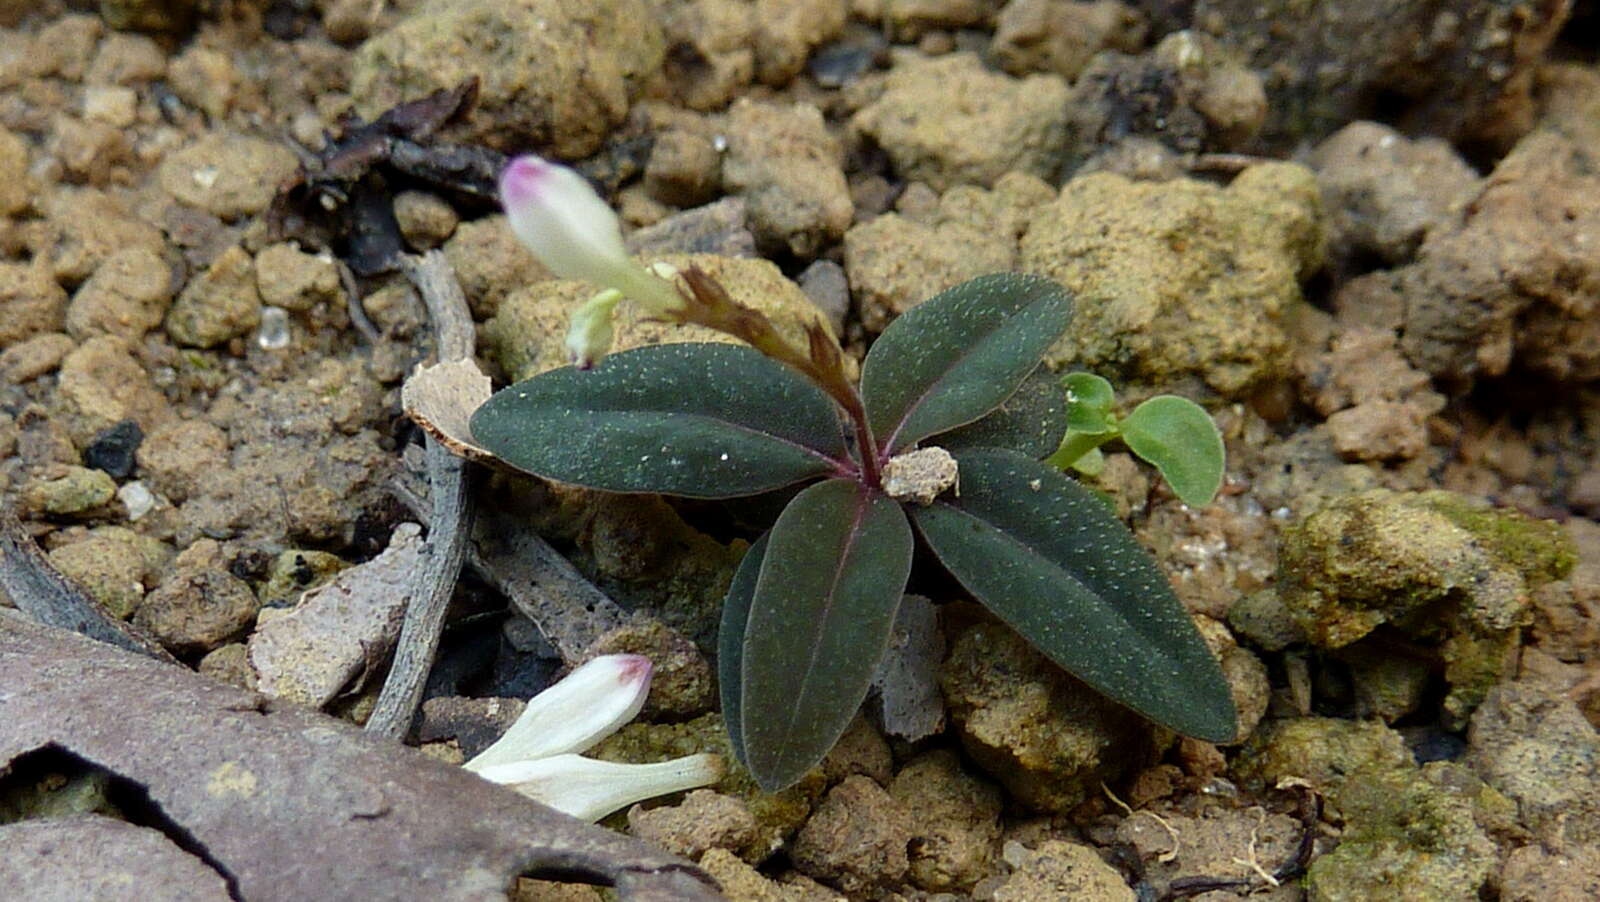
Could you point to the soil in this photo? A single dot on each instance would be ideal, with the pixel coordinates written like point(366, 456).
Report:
point(1366, 236)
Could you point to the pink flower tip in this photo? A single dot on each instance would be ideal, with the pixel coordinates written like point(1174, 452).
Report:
point(634, 669)
point(521, 180)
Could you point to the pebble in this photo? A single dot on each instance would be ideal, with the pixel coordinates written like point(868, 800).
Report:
point(112, 450)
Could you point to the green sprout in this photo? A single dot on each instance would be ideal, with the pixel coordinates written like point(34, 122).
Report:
point(1172, 434)
point(944, 436)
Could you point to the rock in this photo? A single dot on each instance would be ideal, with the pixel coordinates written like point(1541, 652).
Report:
point(111, 105)
point(205, 78)
point(908, 20)
point(84, 227)
point(741, 881)
point(1383, 191)
point(788, 168)
point(289, 278)
point(1246, 675)
point(716, 228)
point(219, 304)
point(1209, 845)
point(228, 176)
point(681, 685)
point(556, 74)
point(1431, 564)
point(1323, 751)
point(112, 450)
point(1061, 36)
point(861, 750)
point(69, 491)
point(1465, 70)
point(126, 59)
point(490, 263)
point(426, 220)
point(528, 335)
point(786, 31)
point(684, 170)
point(75, 855)
point(127, 296)
point(86, 149)
point(1188, 94)
point(856, 839)
point(1380, 430)
point(1135, 254)
point(16, 187)
point(468, 724)
point(199, 605)
point(148, 15)
point(101, 385)
point(295, 572)
point(34, 357)
point(228, 664)
point(1534, 874)
point(1386, 685)
point(1536, 747)
point(1512, 278)
point(826, 284)
point(937, 119)
point(956, 827)
point(1060, 870)
point(64, 46)
point(32, 301)
point(704, 820)
point(173, 457)
point(712, 56)
point(115, 565)
point(1050, 739)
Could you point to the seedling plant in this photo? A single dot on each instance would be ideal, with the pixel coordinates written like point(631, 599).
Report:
point(943, 439)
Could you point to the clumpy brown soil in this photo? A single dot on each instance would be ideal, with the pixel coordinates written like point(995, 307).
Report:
point(1365, 235)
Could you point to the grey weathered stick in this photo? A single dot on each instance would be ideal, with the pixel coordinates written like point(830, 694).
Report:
point(540, 583)
point(449, 522)
point(39, 590)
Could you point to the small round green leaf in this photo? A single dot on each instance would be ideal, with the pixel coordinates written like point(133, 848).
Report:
point(834, 570)
point(1089, 400)
point(1049, 558)
point(694, 419)
point(958, 355)
point(1178, 438)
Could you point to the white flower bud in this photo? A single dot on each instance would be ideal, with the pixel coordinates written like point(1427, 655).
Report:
point(589, 332)
point(589, 790)
point(554, 211)
point(590, 704)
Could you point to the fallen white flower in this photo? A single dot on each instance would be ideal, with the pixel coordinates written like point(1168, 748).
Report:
point(589, 790)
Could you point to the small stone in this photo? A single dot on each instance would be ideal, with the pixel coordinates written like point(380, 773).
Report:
point(199, 606)
point(825, 283)
point(426, 220)
point(786, 30)
point(127, 296)
point(126, 59)
point(682, 684)
point(1379, 430)
point(219, 304)
point(1060, 870)
point(956, 830)
point(148, 15)
point(86, 226)
point(114, 106)
point(490, 263)
point(113, 449)
point(229, 176)
point(32, 301)
point(115, 565)
point(86, 149)
point(861, 750)
point(274, 333)
point(471, 724)
point(856, 839)
point(842, 62)
point(684, 169)
point(78, 490)
point(716, 228)
point(205, 79)
point(229, 664)
point(16, 188)
point(788, 167)
point(137, 499)
point(741, 881)
point(174, 457)
point(1061, 36)
point(289, 278)
point(920, 475)
point(33, 357)
point(704, 820)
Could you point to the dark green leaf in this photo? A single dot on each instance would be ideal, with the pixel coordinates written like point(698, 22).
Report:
point(1089, 399)
point(957, 355)
point(1047, 557)
point(694, 419)
point(835, 567)
point(730, 642)
point(1178, 437)
point(1030, 422)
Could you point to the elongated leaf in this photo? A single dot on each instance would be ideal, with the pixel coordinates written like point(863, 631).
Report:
point(957, 355)
point(730, 643)
point(1050, 560)
point(1029, 422)
point(836, 564)
point(1179, 438)
point(694, 419)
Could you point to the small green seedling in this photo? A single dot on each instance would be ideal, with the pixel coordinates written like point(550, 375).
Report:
point(1172, 434)
point(945, 434)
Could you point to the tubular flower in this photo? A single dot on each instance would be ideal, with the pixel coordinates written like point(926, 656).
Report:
point(558, 216)
point(538, 755)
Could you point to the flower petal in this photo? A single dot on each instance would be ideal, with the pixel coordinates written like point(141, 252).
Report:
point(590, 704)
point(589, 790)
